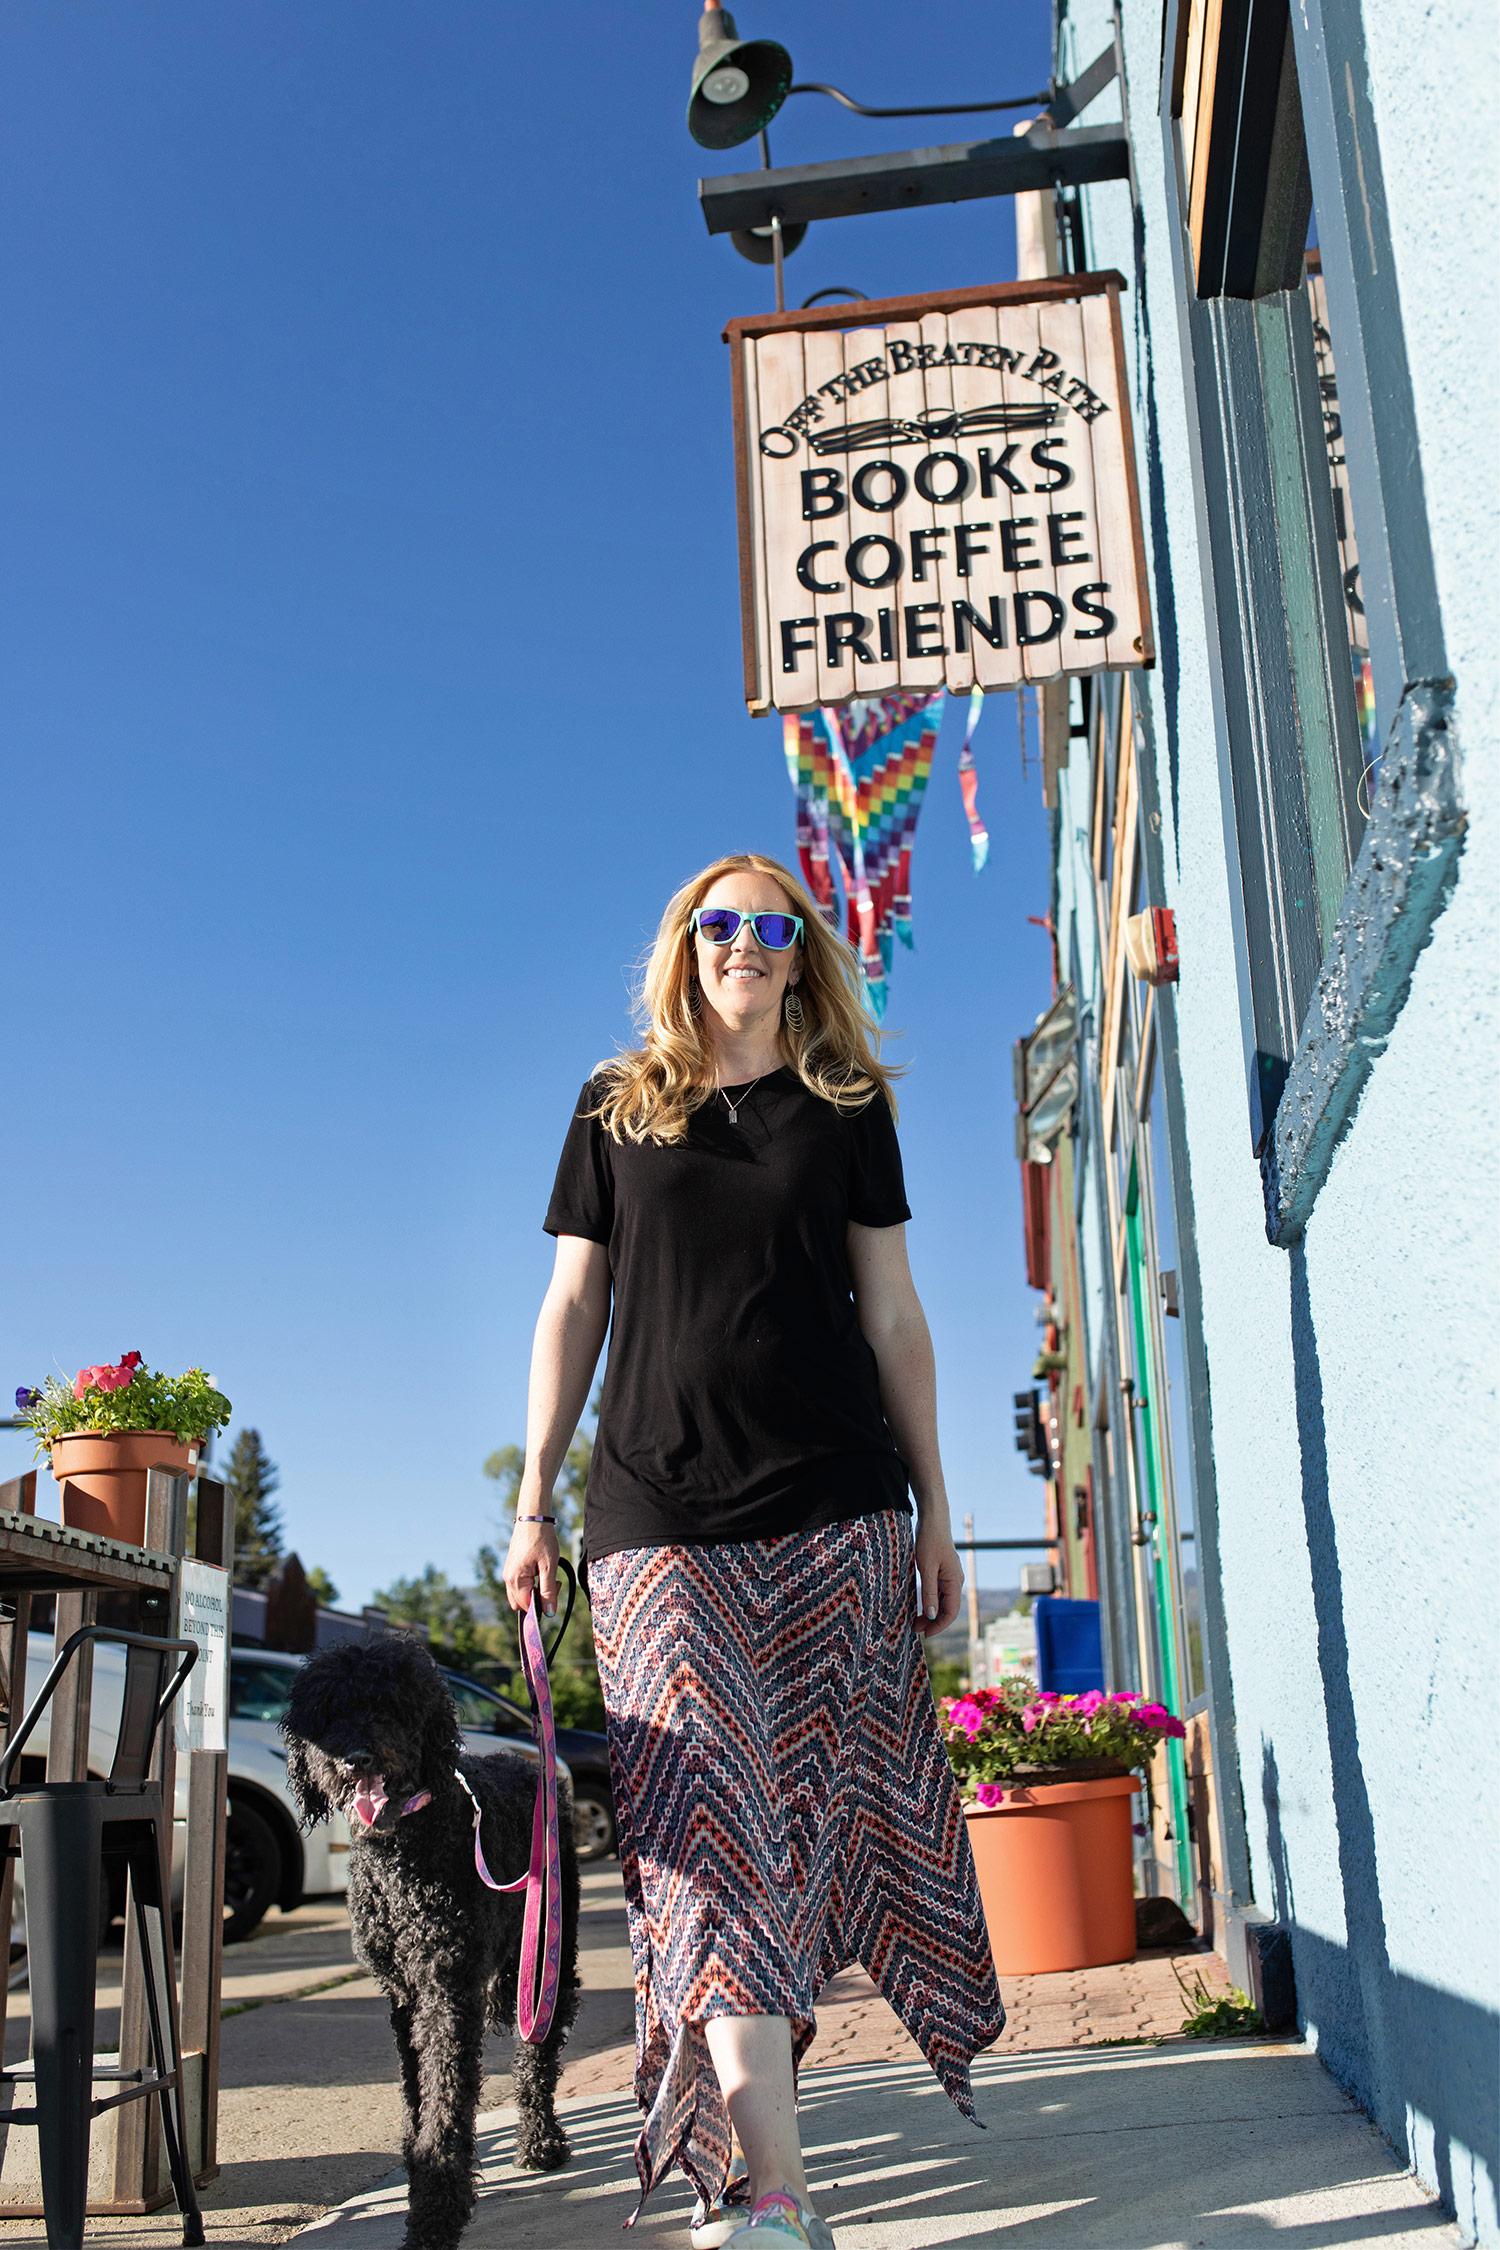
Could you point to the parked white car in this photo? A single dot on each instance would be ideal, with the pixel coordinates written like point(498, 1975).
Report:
point(269, 1860)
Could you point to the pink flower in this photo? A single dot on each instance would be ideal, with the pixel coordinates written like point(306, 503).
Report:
point(1154, 1715)
point(1176, 1729)
point(1120, 1698)
point(963, 1715)
point(1087, 1705)
point(90, 1378)
point(1031, 1718)
point(990, 1793)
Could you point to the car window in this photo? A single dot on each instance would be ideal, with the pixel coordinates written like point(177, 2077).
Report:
point(259, 1691)
point(481, 1713)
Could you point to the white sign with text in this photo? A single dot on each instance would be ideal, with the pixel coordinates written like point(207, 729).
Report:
point(202, 1709)
point(937, 492)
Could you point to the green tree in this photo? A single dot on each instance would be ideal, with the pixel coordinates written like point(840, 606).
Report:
point(454, 1634)
point(506, 1467)
point(251, 1478)
point(323, 1590)
point(577, 1697)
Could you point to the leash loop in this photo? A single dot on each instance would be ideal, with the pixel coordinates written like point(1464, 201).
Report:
point(566, 1568)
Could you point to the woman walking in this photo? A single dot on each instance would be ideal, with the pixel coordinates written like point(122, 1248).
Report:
point(733, 1190)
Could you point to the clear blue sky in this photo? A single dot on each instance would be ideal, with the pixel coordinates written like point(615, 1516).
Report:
point(370, 657)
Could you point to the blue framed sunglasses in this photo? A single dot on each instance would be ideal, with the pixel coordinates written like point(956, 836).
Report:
point(721, 925)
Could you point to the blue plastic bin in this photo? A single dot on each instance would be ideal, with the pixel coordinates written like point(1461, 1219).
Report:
point(1069, 1649)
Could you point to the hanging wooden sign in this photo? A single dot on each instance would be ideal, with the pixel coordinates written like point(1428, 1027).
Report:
point(937, 492)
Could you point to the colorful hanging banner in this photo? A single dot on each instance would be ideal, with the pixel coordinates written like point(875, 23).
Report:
point(860, 773)
point(968, 782)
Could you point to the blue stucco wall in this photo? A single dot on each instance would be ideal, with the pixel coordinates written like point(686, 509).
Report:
point(1353, 1377)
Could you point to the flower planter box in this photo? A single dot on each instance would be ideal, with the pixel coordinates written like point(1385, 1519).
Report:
point(1055, 1874)
point(103, 1477)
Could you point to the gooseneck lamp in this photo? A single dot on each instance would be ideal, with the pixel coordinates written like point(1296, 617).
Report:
point(738, 84)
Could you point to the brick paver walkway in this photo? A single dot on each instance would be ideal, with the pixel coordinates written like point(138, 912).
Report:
point(1138, 1999)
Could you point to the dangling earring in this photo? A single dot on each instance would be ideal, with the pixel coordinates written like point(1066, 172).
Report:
point(695, 997)
point(793, 1010)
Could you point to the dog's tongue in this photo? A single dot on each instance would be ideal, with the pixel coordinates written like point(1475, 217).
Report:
point(369, 1799)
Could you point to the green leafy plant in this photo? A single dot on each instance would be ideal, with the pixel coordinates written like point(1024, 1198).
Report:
point(995, 1733)
point(127, 1396)
point(1225, 2015)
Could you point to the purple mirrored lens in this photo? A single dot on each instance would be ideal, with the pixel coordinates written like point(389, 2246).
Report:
point(719, 924)
point(775, 930)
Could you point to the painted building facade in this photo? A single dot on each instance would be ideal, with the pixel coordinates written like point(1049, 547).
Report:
point(1264, 1232)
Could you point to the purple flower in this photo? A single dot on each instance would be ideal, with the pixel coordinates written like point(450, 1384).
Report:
point(990, 1793)
point(26, 1400)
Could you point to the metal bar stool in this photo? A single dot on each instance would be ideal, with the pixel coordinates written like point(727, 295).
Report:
point(68, 1830)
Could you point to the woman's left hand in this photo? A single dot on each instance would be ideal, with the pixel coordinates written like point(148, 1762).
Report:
point(942, 1578)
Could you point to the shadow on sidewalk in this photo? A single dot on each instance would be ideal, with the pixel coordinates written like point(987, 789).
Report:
point(1229, 2147)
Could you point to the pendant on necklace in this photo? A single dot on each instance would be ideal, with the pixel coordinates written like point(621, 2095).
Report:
point(734, 1108)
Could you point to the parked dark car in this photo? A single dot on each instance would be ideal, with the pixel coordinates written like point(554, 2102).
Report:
point(586, 1754)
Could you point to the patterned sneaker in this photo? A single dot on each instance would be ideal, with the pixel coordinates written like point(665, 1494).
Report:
point(712, 2224)
point(780, 2222)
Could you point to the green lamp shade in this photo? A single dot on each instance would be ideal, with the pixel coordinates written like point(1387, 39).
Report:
point(738, 84)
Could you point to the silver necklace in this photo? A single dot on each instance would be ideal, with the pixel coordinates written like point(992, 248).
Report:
point(735, 1107)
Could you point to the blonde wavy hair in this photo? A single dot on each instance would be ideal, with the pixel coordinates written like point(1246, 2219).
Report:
point(651, 1091)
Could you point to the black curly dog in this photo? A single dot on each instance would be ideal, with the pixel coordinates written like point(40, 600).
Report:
point(373, 1720)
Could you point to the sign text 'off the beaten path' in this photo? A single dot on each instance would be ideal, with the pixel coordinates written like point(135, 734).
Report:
point(937, 492)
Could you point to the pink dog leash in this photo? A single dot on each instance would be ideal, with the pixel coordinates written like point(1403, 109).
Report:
point(541, 1934)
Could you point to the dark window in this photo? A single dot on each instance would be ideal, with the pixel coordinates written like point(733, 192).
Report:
point(258, 1690)
point(479, 1712)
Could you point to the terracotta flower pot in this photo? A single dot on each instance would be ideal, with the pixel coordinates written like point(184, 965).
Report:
point(103, 1477)
point(1055, 1874)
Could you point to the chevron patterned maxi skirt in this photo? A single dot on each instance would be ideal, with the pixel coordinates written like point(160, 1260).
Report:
point(785, 1806)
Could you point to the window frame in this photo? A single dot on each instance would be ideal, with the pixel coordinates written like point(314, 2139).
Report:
point(1316, 1002)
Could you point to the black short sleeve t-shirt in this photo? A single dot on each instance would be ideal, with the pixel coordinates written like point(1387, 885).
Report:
point(741, 1400)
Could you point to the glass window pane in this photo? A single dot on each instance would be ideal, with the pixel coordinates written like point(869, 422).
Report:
point(259, 1691)
point(475, 1708)
point(1355, 621)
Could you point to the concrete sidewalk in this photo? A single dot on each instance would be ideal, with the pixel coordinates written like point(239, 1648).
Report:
point(1230, 2146)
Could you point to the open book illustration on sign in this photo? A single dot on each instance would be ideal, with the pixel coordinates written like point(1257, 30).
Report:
point(925, 429)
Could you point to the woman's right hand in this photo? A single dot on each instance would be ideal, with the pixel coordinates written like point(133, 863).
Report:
point(531, 1560)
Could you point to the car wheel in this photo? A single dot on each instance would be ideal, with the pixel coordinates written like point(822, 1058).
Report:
point(252, 1870)
point(593, 1826)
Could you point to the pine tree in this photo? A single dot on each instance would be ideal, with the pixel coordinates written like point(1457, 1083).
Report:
point(250, 1475)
